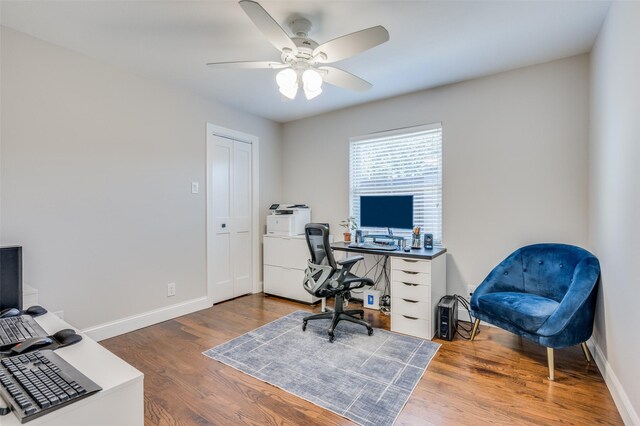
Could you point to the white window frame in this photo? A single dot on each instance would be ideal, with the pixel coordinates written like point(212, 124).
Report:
point(431, 199)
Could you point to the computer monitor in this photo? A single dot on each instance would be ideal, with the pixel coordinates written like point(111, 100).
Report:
point(386, 211)
point(10, 277)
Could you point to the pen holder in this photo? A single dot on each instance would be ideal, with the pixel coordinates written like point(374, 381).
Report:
point(415, 242)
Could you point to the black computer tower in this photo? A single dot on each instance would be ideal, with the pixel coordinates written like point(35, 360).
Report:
point(447, 317)
point(11, 277)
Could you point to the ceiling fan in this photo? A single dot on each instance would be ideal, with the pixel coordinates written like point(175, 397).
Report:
point(303, 60)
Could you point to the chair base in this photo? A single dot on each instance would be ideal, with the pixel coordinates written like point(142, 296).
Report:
point(339, 314)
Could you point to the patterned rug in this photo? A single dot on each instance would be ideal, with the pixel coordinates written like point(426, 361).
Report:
point(367, 379)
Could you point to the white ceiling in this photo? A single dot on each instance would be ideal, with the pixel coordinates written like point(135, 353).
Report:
point(431, 43)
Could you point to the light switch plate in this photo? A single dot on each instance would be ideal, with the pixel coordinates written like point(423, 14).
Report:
point(195, 187)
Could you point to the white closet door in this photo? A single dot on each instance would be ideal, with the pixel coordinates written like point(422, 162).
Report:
point(241, 230)
point(231, 191)
point(221, 177)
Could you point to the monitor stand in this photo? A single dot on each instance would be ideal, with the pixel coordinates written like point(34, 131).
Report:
point(385, 238)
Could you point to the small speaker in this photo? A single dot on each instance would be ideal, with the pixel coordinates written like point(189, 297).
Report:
point(11, 277)
point(428, 241)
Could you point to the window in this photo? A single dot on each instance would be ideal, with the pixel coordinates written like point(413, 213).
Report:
point(400, 162)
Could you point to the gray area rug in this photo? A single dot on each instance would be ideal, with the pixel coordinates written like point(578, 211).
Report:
point(367, 379)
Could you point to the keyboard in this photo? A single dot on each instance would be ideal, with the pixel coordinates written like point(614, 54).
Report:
point(39, 382)
point(14, 330)
point(374, 246)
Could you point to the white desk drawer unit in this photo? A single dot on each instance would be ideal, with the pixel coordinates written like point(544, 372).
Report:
point(285, 260)
point(286, 282)
point(416, 287)
point(410, 292)
point(286, 252)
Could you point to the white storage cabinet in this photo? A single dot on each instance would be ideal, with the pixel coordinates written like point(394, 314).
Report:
point(285, 260)
point(416, 287)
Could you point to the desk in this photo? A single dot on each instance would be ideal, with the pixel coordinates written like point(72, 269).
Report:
point(120, 402)
point(423, 254)
point(418, 281)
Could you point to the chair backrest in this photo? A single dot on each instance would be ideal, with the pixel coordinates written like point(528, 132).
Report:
point(544, 269)
point(322, 265)
point(317, 235)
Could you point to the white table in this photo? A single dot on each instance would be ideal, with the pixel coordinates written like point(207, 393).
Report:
point(121, 401)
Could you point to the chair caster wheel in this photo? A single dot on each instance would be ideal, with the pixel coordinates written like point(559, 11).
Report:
point(331, 338)
point(304, 325)
point(369, 331)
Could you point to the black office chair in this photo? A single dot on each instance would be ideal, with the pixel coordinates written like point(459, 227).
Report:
point(324, 279)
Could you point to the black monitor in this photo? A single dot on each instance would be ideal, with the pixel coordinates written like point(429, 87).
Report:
point(386, 211)
point(11, 277)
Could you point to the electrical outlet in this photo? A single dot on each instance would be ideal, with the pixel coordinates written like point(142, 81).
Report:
point(471, 289)
point(171, 289)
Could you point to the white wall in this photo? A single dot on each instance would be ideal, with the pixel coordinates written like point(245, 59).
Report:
point(614, 201)
point(97, 166)
point(515, 161)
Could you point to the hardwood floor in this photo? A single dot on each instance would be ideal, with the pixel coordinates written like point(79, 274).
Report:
point(497, 379)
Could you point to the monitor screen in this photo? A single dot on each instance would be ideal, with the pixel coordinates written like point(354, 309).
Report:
point(386, 211)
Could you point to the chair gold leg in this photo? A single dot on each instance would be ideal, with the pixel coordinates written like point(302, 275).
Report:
point(550, 362)
point(586, 351)
point(475, 329)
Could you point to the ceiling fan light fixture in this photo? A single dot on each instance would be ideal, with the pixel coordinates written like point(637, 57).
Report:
point(289, 92)
point(311, 94)
point(312, 80)
point(287, 80)
point(311, 83)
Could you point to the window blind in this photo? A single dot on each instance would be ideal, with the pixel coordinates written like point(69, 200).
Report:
point(400, 162)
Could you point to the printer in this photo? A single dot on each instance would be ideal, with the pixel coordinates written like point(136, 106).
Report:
point(288, 219)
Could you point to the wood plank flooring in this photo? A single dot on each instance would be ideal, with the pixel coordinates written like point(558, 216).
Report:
point(497, 379)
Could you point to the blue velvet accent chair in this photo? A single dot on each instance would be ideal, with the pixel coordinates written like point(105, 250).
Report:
point(543, 292)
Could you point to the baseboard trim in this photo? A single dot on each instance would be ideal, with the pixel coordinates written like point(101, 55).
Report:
point(620, 398)
point(135, 322)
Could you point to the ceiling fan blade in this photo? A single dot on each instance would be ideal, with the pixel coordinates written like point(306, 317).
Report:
point(341, 78)
point(247, 65)
point(269, 27)
point(352, 44)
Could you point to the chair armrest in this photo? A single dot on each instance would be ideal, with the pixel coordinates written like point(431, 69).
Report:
point(347, 264)
point(350, 260)
point(585, 278)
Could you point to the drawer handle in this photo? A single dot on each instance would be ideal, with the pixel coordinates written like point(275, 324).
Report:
point(409, 260)
point(410, 301)
point(411, 318)
point(410, 272)
point(410, 284)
